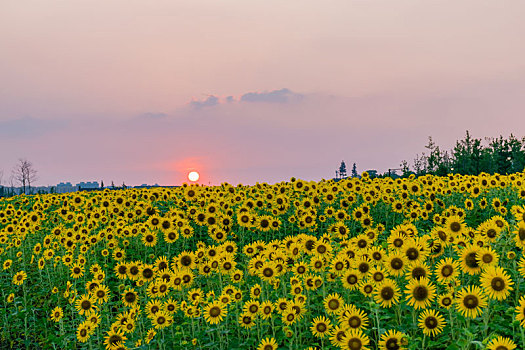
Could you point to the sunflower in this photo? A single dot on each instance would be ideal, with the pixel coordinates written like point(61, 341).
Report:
point(85, 304)
point(289, 316)
point(392, 340)
point(417, 271)
point(496, 282)
point(320, 327)
point(355, 339)
point(395, 264)
point(469, 263)
point(486, 256)
point(414, 252)
point(333, 304)
point(7, 264)
point(266, 310)
point(214, 312)
point(520, 310)
point(470, 301)
point(101, 294)
point(113, 338)
point(268, 343)
point(455, 225)
point(354, 318)
point(19, 278)
point(83, 332)
point(431, 322)
point(387, 293)
point(130, 297)
point(519, 234)
point(57, 314)
point(351, 279)
point(447, 270)
point(420, 293)
point(152, 307)
point(161, 320)
point(366, 288)
point(446, 300)
point(246, 320)
point(501, 343)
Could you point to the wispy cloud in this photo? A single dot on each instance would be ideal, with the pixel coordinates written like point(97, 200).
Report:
point(153, 115)
point(28, 127)
point(275, 96)
point(280, 96)
point(209, 102)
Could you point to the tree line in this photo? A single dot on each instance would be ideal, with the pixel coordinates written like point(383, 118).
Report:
point(470, 156)
point(23, 174)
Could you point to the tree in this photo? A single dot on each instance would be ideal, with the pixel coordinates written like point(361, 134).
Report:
point(25, 174)
point(342, 169)
point(102, 184)
point(354, 171)
point(405, 168)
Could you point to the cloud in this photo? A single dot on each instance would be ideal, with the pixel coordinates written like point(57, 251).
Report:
point(209, 102)
point(27, 127)
point(153, 115)
point(281, 96)
point(275, 96)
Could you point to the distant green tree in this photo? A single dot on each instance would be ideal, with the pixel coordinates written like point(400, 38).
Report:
point(342, 169)
point(354, 171)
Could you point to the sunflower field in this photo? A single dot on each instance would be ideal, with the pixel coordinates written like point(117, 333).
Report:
point(414, 263)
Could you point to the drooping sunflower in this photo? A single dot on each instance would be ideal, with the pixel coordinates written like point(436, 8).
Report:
point(393, 340)
point(470, 301)
point(214, 312)
point(420, 293)
point(501, 343)
point(320, 327)
point(387, 293)
point(431, 322)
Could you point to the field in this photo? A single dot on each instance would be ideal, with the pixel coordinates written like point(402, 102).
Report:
point(414, 263)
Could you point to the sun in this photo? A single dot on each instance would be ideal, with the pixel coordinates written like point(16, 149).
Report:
point(193, 176)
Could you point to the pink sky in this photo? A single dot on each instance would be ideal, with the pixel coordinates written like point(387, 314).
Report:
point(120, 90)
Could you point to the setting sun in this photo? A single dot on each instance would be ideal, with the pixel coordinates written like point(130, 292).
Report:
point(193, 176)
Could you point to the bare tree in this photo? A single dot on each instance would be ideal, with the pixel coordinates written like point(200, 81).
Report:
point(25, 174)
